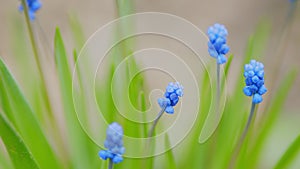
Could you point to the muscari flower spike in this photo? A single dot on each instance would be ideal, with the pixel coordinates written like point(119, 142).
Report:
point(113, 143)
point(217, 46)
point(254, 74)
point(172, 94)
point(33, 7)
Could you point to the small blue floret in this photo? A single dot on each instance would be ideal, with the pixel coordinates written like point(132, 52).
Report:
point(33, 7)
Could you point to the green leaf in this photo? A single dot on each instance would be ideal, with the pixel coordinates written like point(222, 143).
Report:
point(170, 163)
point(226, 71)
point(228, 64)
point(25, 121)
point(77, 32)
point(124, 7)
point(289, 155)
point(77, 140)
point(272, 115)
point(15, 146)
point(258, 41)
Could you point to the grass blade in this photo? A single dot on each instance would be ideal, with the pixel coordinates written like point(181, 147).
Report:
point(78, 141)
point(15, 146)
point(25, 121)
point(289, 155)
point(169, 154)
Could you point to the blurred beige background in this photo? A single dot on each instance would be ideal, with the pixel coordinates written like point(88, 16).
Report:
point(240, 18)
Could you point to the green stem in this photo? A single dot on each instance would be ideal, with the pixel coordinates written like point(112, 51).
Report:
point(110, 164)
point(218, 85)
point(244, 134)
point(218, 95)
point(156, 120)
point(36, 56)
point(248, 123)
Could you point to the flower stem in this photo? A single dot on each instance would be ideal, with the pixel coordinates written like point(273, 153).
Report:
point(36, 56)
point(156, 120)
point(218, 95)
point(218, 84)
point(248, 123)
point(241, 140)
point(110, 164)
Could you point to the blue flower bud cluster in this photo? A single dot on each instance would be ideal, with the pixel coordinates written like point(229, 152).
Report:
point(113, 143)
point(217, 46)
point(172, 94)
point(33, 7)
point(254, 74)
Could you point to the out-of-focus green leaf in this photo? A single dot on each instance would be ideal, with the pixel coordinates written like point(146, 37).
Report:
point(124, 7)
point(78, 142)
point(272, 115)
point(77, 32)
point(258, 41)
point(26, 123)
point(15, 146)
point(195, 149)
point(289, 155)
point(228, 64)
point(170, 162)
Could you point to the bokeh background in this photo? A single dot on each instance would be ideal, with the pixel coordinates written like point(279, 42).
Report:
point(240, 17)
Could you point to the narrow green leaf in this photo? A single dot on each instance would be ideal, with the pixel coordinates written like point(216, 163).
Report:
point(257, 42)
point(78, 141)
point(124, 7)
point(170, 162)
point(289, 155)
point(228, 64)
point(195, 149)
point(77, 32)
point(26, 123)
point(226, 71)
point(143, 107)
point(5, 103)
point(15, 146)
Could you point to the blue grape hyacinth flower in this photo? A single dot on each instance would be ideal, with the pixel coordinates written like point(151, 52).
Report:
point(254, 74)
point(217, 46)
point(113, 143)
point(172, 94)
point(33, 7)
